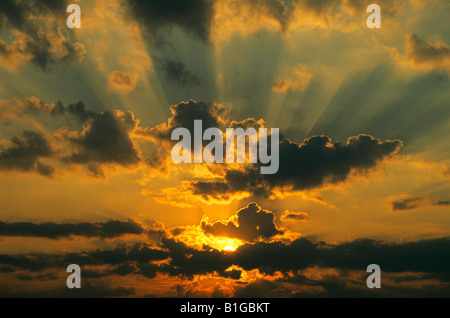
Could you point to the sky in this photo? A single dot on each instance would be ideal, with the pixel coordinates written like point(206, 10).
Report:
point(87, 178)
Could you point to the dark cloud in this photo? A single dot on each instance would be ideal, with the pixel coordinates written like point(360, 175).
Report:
point(339, 286)
point(13, 11)
point(175, 71)
point(193, 16)
point(295, 216)
point(314, 163)
point(428, 256)
point(35, 41)
point(35, 262)
point(79, 111)
point(120, 256)
point(186, 261)
point(23, 154)
point(110, 229)
point(417, 202)
point(105, 139)
point(250, 224)
point(141, 253)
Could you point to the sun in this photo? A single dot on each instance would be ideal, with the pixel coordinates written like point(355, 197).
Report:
point(229, 249)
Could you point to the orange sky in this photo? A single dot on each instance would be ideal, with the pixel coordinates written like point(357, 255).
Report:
point(85, 168)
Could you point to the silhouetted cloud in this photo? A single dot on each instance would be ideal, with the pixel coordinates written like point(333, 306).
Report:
point(79, 110)
point(428, 256)
point(417, 202)
point(105, 139)
point(120, 255)
point(110, 229)
point(250, 223)
point(314, 163)
point(339, 286)
point(23, 154)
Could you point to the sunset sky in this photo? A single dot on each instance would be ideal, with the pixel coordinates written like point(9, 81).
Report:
point(86, 175)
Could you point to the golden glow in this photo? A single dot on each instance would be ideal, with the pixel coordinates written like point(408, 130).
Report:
point(229, 249)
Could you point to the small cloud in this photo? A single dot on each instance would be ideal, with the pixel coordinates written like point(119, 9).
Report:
point(104, 139)
point(123, 81)
point(295, 217)
point(297, 81)
point(104, 230)
point(418, 202)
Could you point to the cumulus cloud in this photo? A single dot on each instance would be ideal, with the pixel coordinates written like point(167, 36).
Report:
point(104, 139)
point(37, 37)
point(24, 153)
point(79, 111)
point(314, 163)
point(109, 229)
point(418, 202)
point(250, 224)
